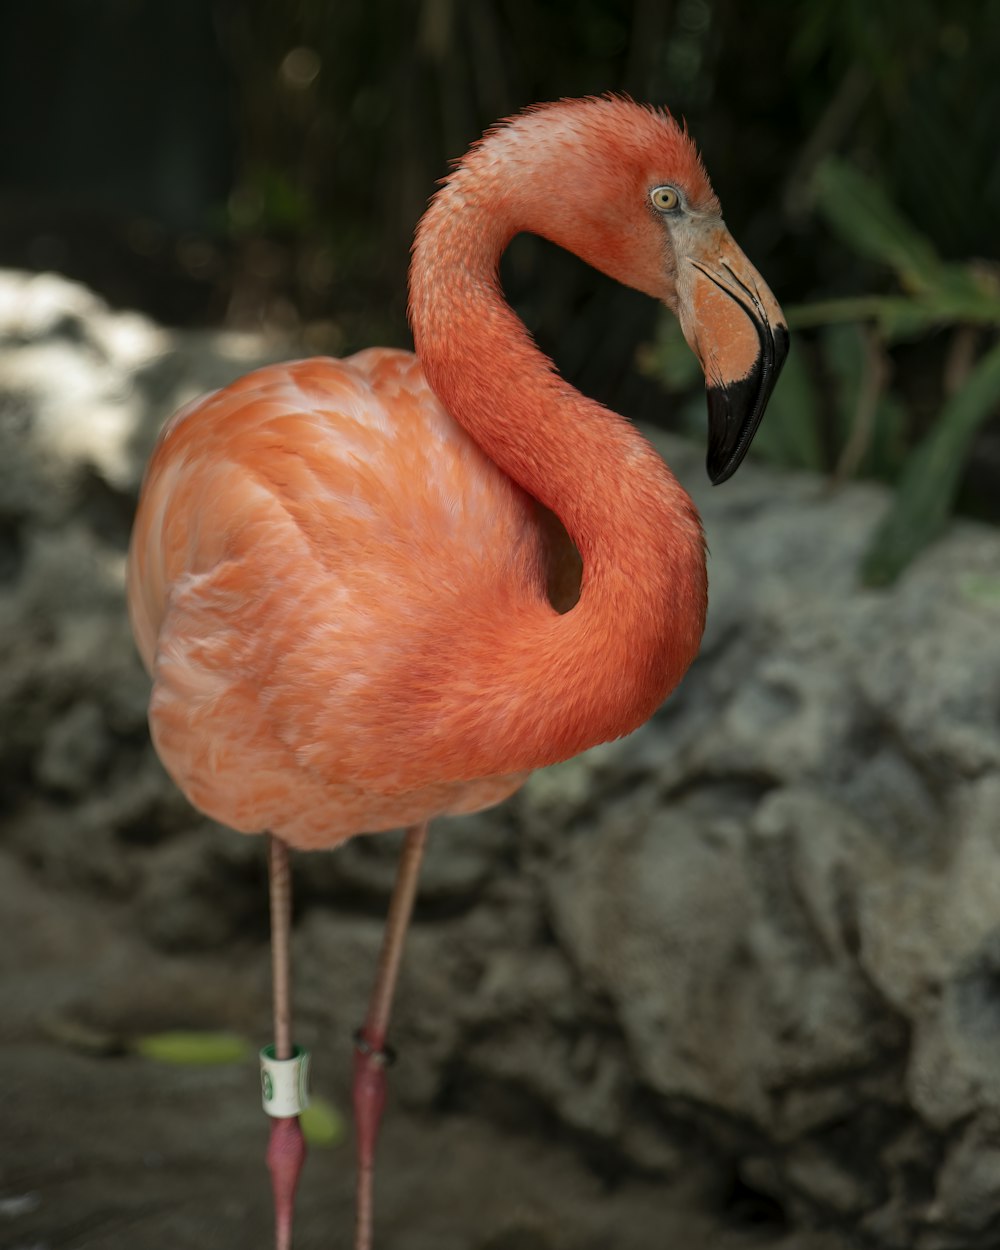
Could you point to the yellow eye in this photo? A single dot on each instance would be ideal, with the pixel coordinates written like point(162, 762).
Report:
point(665, 199)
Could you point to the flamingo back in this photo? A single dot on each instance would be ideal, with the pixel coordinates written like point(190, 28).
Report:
point(302, 537)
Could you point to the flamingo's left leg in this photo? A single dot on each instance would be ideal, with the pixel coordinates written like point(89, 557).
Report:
point(283, 1064)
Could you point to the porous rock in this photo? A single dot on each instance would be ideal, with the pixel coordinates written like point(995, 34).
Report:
point(759, 938)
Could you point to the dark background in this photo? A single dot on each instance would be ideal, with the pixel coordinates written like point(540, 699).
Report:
point(262, 165)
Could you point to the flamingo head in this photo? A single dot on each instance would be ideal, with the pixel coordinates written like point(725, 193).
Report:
point(624, 188)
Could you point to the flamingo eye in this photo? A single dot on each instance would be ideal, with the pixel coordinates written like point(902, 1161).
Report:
point(665, 199)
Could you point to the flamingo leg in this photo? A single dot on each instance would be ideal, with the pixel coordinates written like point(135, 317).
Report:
point(286, 1150)
point(371, 1055)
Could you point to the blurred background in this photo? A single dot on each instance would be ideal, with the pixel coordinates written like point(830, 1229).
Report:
point(262, 165)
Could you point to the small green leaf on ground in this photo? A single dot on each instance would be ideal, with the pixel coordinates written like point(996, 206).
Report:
point(322, 1124)
point(193, 1049)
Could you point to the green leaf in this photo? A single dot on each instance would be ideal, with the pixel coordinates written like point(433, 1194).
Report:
point(862, 214)
point(930, 477)
point(876, 448)
point(829, 312)
point(844, 352)
point(892, 422)
point(322, 1124)
point(193, 1049)
point(900, 317)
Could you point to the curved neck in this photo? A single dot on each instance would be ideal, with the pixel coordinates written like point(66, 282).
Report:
point(554, 685)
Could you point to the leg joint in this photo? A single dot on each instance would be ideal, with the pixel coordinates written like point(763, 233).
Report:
point(384, 1056)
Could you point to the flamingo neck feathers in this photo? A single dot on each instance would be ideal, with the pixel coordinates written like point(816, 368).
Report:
point(549, 685)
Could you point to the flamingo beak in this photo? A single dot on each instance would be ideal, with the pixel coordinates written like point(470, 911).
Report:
point(735, 327)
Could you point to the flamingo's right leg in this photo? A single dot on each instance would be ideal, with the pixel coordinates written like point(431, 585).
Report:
point(371, 1054)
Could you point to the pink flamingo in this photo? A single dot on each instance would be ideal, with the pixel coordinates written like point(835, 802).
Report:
point(347, 578)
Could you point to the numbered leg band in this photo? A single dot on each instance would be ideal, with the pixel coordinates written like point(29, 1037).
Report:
point(284, 1083)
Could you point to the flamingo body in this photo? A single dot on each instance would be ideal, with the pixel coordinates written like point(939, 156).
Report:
point(377, 590)
point(345, 576)
point(346, 529)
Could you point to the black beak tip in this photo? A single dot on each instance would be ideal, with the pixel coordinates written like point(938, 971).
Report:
point(731, 425)
point(735, 409)
point(720, 472)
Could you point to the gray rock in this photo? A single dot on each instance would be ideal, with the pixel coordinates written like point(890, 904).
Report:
point(75, 749)
point(760, 938)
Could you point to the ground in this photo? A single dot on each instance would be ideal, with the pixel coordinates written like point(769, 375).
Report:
point(104, 1148)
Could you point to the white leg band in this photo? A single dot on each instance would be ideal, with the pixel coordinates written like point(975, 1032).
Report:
point(284, 1083)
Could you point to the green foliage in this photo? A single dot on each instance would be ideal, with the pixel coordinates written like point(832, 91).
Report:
point(927, 486)
point(937, 294)
point(862, 215)
point(841, 383)
point(857, 163)
point(790, 434)
point(669, 358)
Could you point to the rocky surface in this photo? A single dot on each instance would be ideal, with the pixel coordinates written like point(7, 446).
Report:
point(740, 969)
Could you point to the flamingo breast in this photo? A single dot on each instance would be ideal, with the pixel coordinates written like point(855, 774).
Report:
point(304, 537)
